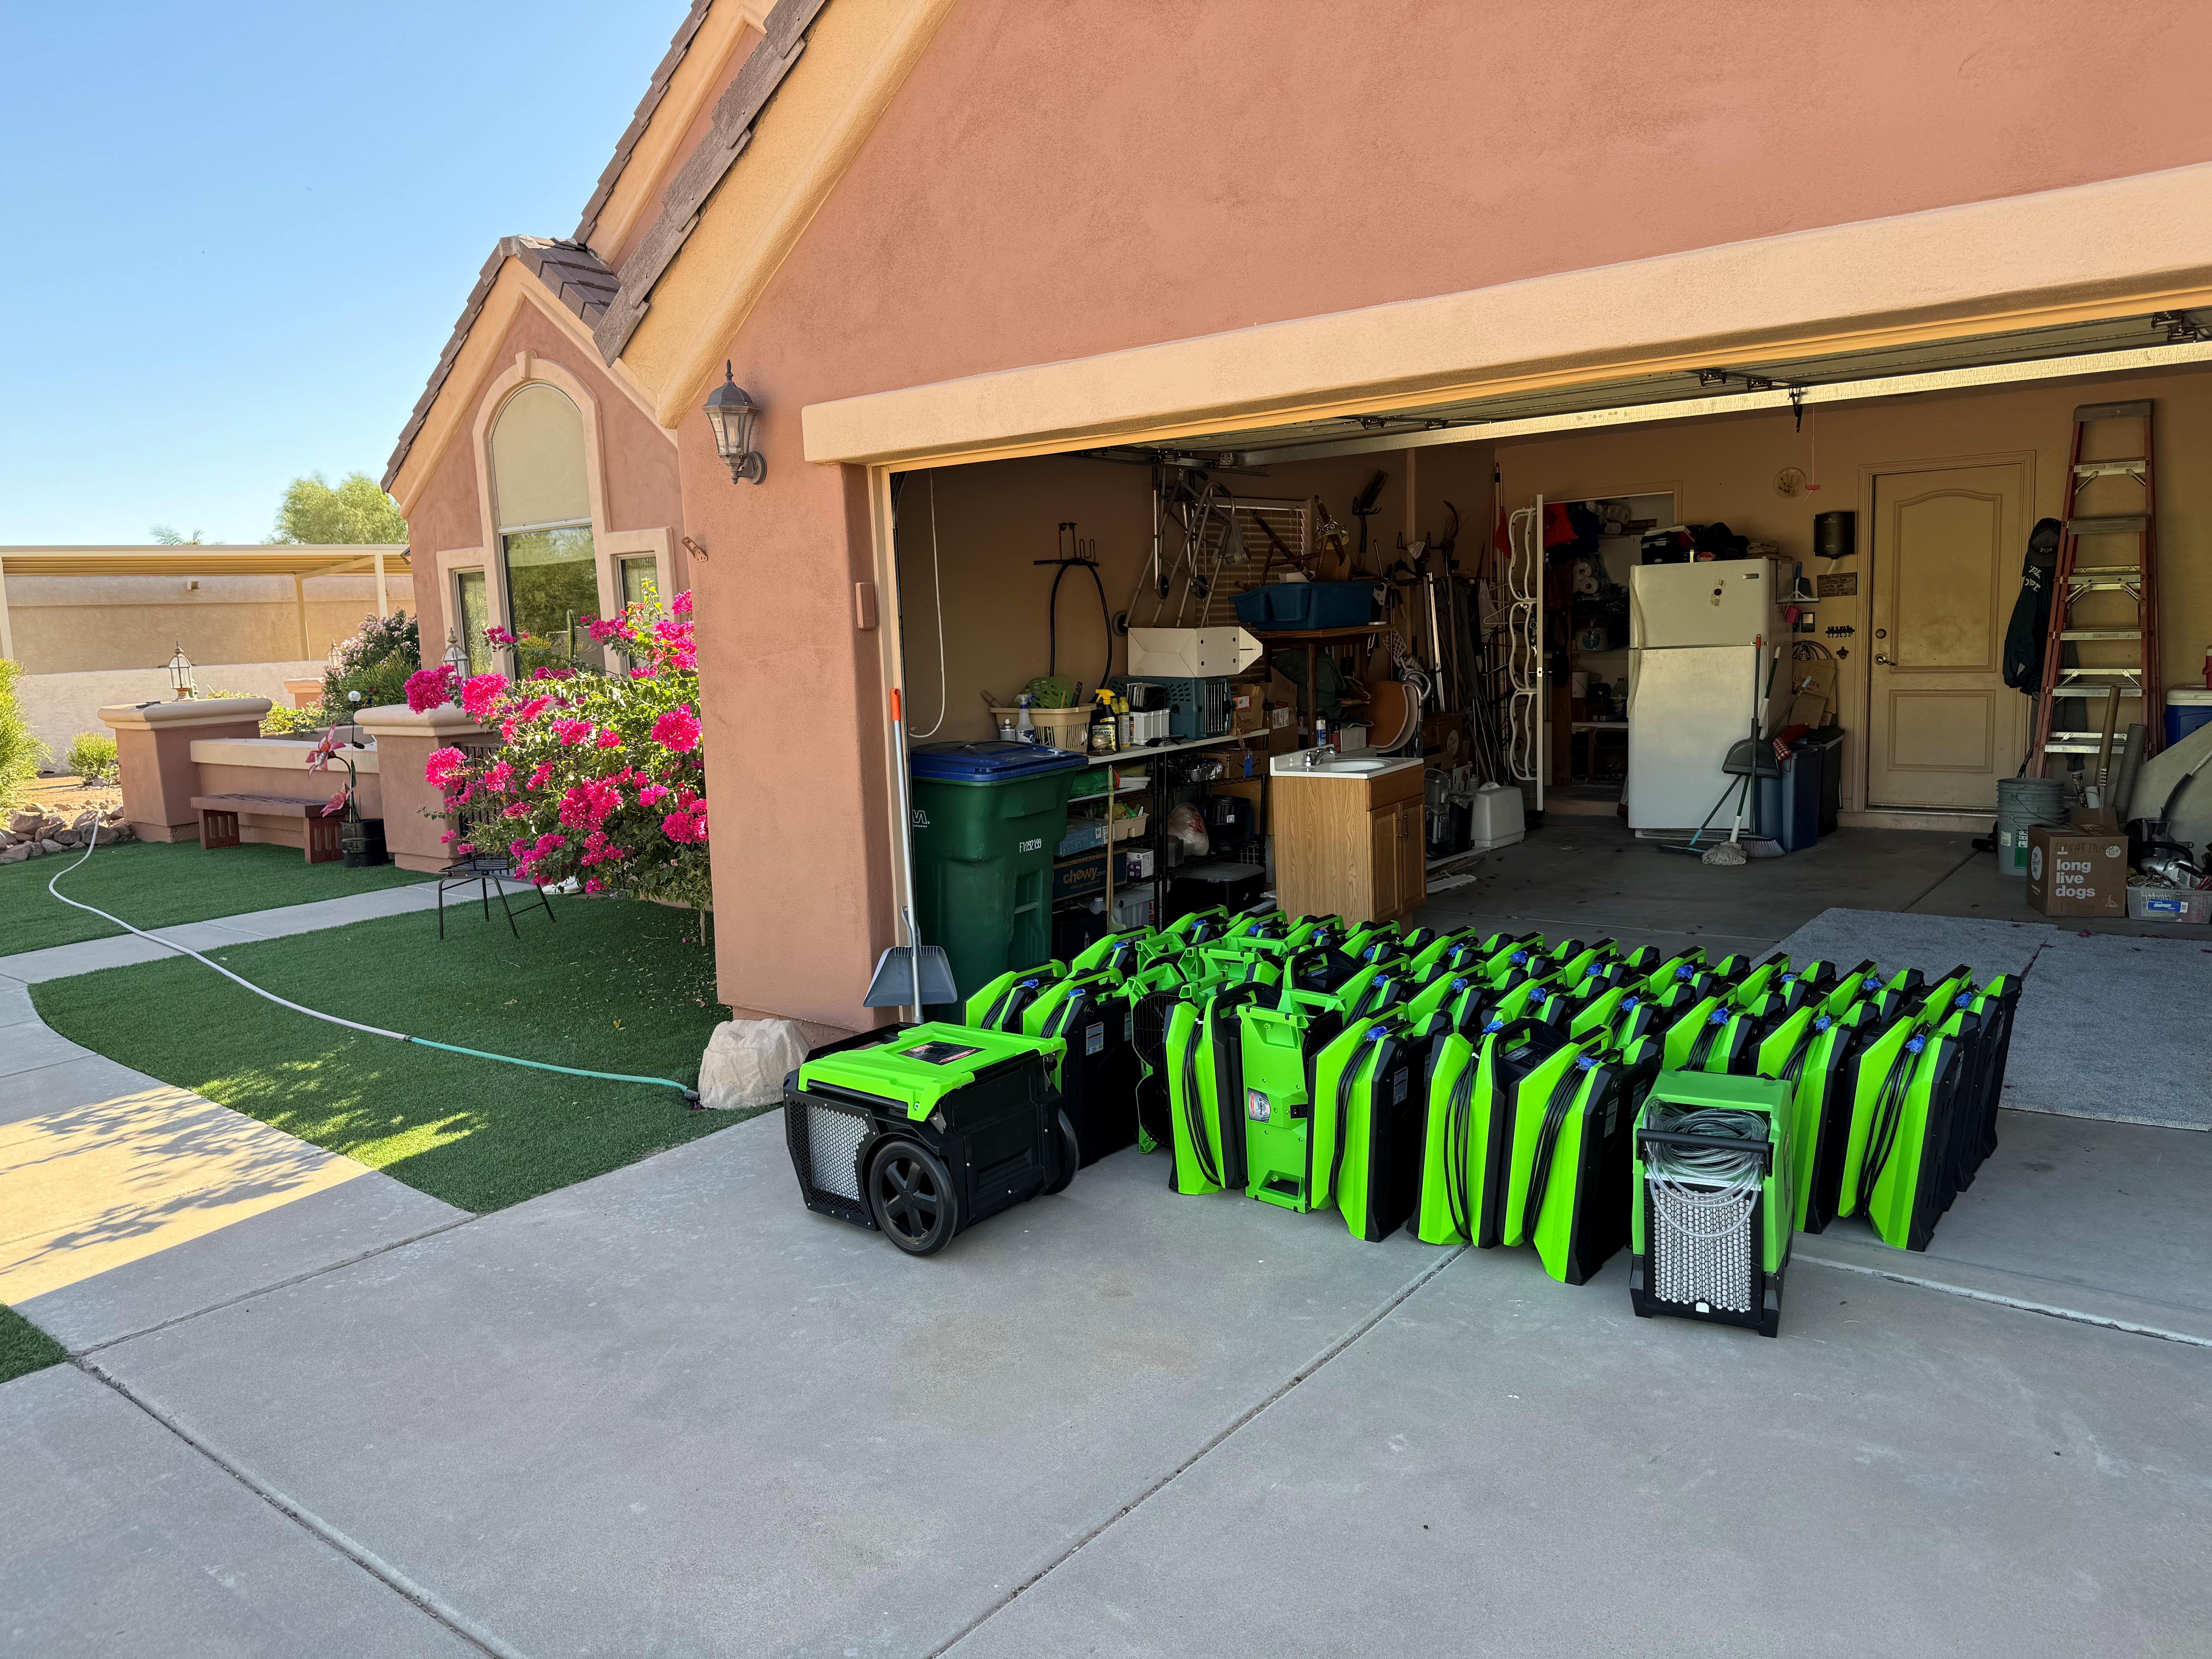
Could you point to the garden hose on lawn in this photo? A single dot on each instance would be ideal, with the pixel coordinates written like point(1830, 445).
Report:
point(690, 1096)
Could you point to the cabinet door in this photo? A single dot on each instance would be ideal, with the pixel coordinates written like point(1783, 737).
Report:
point(1413, 857)
point(1384, 864)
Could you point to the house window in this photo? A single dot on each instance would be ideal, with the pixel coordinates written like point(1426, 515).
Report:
point(472, 606)
point(542, 501)
point(641, 580)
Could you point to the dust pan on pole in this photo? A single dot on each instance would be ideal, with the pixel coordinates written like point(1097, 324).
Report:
point(903, 981)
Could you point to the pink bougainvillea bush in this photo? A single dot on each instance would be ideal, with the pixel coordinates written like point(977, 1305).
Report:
point(598, 776)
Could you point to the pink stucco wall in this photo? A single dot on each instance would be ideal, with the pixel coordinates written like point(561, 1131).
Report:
point(1057, 180)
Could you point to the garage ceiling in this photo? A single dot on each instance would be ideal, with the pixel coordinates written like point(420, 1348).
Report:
point(2108, 345)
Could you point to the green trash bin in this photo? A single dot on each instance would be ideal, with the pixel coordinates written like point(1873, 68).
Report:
point(987, 819)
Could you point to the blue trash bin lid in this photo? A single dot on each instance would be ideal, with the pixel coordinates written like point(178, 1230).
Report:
point(991, 762)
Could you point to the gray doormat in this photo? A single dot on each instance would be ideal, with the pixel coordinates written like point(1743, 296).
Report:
point(2108, 1028)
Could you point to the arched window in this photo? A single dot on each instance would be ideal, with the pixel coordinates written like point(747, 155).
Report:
point(541, 501)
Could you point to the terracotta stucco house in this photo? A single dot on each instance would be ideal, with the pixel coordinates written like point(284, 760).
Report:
point(1499, 251)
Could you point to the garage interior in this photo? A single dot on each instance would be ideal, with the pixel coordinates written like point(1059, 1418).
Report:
point(1944, 454)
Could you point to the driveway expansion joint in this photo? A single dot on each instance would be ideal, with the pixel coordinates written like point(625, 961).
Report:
point(1221, 1438)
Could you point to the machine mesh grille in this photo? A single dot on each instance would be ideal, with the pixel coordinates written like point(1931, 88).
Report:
point(833, 1141)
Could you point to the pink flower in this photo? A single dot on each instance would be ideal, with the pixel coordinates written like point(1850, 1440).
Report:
point(466, 849)
point(595, 885)
point(652, 793)
point(552, 673)
point(498, 636)
point(681, 604)
point(480, 691)
point(588, 805)
point(677, 729)
point(426, 687)
point(572, 731)
point(537, 778)
point(608, 737)
point(443, 767)
point(499, 777)
point(640, 673)
point(601, 629)
point(519, 809)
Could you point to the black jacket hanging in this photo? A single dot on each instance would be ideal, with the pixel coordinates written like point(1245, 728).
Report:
point(2031, 611)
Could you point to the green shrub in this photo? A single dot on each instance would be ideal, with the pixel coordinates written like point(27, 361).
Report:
point(21, 754)
point(282, 722)
point(92, 757)
point(374, 662)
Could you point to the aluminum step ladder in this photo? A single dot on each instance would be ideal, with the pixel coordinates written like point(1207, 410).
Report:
point(2127, 647)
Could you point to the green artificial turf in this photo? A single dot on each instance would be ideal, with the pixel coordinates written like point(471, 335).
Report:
point(161, 883)
point(611, 986)
point(24, 1348)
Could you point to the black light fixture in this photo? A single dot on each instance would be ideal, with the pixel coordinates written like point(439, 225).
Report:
point(732, 413)
point(180, 674)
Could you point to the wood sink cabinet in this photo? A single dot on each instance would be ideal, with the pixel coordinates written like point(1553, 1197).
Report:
point(1350, 845)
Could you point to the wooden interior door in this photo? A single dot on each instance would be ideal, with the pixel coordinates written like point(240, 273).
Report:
point(1943, 727)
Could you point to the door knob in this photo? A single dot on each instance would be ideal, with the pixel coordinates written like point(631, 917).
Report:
point(1883, 660)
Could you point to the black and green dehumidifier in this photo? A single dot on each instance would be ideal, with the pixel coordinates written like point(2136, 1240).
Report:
point(1567, 1182)
point(1711, 1209)
point(922, 1131)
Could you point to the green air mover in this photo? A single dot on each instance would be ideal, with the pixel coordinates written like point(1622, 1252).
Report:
point(1711, 1205)
point(1000, 1005)
point(1908, 1080)
point(921, 1131)
point(1367, 1075)
point(1376, 942)
point(1382, 985)
point(1848, 988)
point(1152, 996)
point(1511, 958)
point(1096, 1074)
point(1206, 1092)
point(1708, 1036)
point(1467, 1129)
point(1290, 1124)
point(1118, 954)
point(1827, 1071)
point(1567, 1187)
point(1682, 967)
point(1449, 1002)
point(1197, 926)
point(1986, 1016)
point(1453, 953)
point(1612, 1014)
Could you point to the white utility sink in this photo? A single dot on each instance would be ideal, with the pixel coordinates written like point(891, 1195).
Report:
point(1294, 765)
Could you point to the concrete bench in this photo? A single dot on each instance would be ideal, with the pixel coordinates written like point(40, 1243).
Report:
point(219, 816)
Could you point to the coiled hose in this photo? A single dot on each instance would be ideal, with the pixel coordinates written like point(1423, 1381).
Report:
point(1703, 1192)
point(690, 1095)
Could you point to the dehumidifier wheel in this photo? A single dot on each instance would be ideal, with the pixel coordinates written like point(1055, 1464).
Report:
point(1068, 1150)
point(910, 1191)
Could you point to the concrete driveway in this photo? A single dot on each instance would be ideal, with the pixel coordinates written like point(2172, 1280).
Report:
point(667, 1411)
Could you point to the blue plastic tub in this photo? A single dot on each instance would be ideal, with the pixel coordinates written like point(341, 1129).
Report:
point(1308, 605)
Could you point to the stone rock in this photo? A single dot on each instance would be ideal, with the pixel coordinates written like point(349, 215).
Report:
point(7, 840)
point(84, 820)
point(67, 838)
point(746, 1060)
point(26, 820)
point(17, 854)
point(50, 845)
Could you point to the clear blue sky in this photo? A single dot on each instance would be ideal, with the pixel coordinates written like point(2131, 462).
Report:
point(242, 233)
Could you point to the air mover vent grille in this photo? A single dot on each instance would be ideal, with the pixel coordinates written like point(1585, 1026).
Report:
point(825, 1146)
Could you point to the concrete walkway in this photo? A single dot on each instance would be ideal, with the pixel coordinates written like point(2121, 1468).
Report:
point(125, 1203)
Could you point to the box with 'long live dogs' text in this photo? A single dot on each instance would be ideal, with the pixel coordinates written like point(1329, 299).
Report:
point(2072, 872)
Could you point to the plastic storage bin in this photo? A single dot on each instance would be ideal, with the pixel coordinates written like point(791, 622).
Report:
point(1308, 605)
point(2186, 710)
point(1787, 807)
point(1498, 817)
point(986, 818)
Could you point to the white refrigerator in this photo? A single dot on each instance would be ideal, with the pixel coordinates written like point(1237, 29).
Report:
point(1701, 637)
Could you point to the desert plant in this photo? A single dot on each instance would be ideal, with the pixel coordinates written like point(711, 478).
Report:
point(283, 722)
point(21, 753)
point(92, 757)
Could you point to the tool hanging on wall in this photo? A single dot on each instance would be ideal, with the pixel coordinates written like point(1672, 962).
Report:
point(1069, 553)
point(1363, 508)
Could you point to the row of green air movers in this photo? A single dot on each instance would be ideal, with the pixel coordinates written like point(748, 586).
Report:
point(1499, 1091)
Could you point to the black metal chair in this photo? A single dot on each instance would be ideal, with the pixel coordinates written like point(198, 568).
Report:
point(491, 870)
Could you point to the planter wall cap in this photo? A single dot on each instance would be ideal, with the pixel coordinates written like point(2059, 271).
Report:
point(397, 720)
point(186, 712)
point(290, 753)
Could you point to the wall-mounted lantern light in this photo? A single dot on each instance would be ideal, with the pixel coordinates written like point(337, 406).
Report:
point(181, 675)
point(731, 414)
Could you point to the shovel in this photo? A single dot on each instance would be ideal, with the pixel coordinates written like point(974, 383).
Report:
point(914, 974)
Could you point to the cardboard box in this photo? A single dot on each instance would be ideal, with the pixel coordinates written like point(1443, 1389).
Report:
point(2072, 872)
point(2094, 821)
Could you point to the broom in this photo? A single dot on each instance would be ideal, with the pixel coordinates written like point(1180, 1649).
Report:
point(1729, 854)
